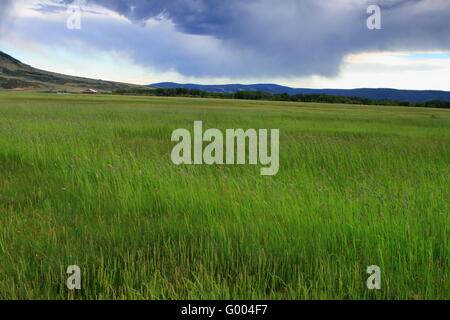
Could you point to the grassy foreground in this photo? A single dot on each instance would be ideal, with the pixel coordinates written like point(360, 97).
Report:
point(88, 181)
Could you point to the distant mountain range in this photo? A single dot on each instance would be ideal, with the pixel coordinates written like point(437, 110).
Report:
point(376, 94)
point(15, 75)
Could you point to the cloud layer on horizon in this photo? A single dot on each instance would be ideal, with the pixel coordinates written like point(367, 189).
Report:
point(253, 38)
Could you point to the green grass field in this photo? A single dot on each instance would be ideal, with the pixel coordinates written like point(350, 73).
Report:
point(88, 181)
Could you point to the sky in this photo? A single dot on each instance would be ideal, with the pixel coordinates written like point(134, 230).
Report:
point(299, 43)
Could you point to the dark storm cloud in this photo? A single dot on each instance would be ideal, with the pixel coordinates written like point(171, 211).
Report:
point(190, 16)
point(289, 37)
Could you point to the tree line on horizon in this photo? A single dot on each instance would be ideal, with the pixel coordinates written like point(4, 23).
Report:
point(261, 95)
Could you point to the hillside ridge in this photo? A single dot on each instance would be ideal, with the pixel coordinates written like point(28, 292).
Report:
point(16, 75)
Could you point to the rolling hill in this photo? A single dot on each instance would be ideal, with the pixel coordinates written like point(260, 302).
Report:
point(375, 94)
point(15, 75)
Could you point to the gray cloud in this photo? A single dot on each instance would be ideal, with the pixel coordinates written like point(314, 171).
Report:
point(5, 5)
point(264, 38)
point(5, 13)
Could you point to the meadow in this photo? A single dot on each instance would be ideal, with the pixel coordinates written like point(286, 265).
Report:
point(88, 181)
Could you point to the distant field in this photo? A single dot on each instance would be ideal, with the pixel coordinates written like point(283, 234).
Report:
point(88, 181)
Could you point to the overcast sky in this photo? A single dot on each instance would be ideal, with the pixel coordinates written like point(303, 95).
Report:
point(300, 43)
